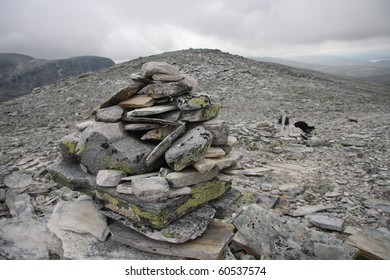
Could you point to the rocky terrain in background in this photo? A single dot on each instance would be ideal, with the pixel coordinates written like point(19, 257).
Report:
point(20, 74)
point(341, 172)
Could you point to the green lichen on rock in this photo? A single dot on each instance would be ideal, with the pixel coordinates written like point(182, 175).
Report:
point(157, 221)
point(212, 111)
point(71, 146)
point(199, 102)
point(110, 163)
point(202, 194)
point(82, 150)
point(170, 235)
point(247, 198)
point(275, 143)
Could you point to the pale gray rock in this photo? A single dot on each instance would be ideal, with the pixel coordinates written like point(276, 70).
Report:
point(19, 182)
point(83, 125)
point(179, 192)
point(383, 205)
point(308, 209)
point(191, 82)
point(109, 114)
point(266, 235)
point(19, 205)
point(214, 152)
point(141, 126)
point(125, 188)
point(201, 115)
point(81, 216)
point(146, 175)
point(228, 146)
point(189, 148)
point(219, 129)
point(155, 67)
point(167, 78)
point(27, 239)
point(373, 243)
point(153, 189)
point(332, 252)
point(109, 178)
point(222, 162)
point(190, 176)
point(326, 222)
point(158, 109)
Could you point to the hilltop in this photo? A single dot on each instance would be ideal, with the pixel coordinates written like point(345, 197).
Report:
point(344, 165)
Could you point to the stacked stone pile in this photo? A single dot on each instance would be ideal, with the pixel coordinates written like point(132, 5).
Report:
point(153, 155)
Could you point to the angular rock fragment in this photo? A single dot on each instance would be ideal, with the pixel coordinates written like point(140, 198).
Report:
point(219, 129)
point(222, 162)
point(137, 101)
point(159, 133)
point(167, 78)
point(189, 176)
point(373, 243)
point(109, 178)
point(190, 102)
point(109, 114)
point(68, 146)
point(228, 146)
point(151, 110)
point(215, 152)
point(201, 115)
point(326, 222)
point(153, 189)
point(151, 68)
point(188, 149)
point(172, 89)
point(141, 126)
point(124, 93)
point(308, 209)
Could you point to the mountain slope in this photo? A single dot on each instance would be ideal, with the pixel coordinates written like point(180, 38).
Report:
point(20, 74)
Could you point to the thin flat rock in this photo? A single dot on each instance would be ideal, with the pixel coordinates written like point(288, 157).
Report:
point(141, 126)
point(308, 209)
point(373, 243)
point(137, 101)
point(159, 109)
point(209, 246)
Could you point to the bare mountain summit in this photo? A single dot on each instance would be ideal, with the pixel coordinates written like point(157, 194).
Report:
point(318, 195)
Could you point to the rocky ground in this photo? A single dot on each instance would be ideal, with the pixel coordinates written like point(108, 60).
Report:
point(342, 169)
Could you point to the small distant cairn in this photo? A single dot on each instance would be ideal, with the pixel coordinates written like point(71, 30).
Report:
point(153, 154)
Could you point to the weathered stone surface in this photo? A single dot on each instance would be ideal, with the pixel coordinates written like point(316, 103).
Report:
point(222, 162)
point(19, 205)
point(209, 246)
point(109, 114)
point(225, 205)
point(83, 125)
point(164, 145)
point(19, 182)
point(141, 126)
point(186, 228)
point(137, 101)
point(308, 209)
point(159, 133)
point(373, 243)
point(2, 195)
point(167, 78)
point(109, 178)
point(81, 216)
point(145, 175)
point(156, 120)
point(179, 192)
point(124, 93)
point(189, 148)
point(269, 236)
point(155, 67)
point(190, 102)
point(219, 129)
point(125, 188)
point(332, 252)
point(256, 172)
point(173, 89)
point(383, 205)
point(68, 145)
point(153, 189)
point(190, 176)
point(201, 115)
point(27, 239)
point(214, 152)
point(228, 146)
point(109, 147)
point(191, 82)
point(158, 109)
point(326, 222)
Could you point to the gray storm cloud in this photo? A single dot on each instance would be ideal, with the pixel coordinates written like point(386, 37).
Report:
point(127, 29)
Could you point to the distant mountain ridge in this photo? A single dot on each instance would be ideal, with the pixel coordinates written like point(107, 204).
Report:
point(20, 74)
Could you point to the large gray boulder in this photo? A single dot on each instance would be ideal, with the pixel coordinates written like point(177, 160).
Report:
point(154, 67)
point(189, 148)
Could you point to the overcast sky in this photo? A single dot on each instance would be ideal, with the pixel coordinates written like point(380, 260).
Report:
point(126, 29)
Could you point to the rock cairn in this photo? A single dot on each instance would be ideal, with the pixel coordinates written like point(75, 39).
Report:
point(152, 155)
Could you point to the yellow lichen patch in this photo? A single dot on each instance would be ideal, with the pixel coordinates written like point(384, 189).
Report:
point(71, 146)
point(202, 194)
point(156, 220)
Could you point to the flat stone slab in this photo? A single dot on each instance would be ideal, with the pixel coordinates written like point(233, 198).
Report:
point(219, 129)
point(308, 209)
point(109, 114)
point(181, 230)
point(214, 152)
point(152, 189)
point(266, 235)
point(326, 222)
point(137, 102)
point(109, 178)
point(172, 89)
point(201, 115)
point(19, 182)
point(373, 243)
point(190, 176)
point(159, 109)
point(222, 162)
point(156, 67)
point(209, 246)
point(141, 126)
point(159, 134)
point(167, 78)
point(122, 94)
